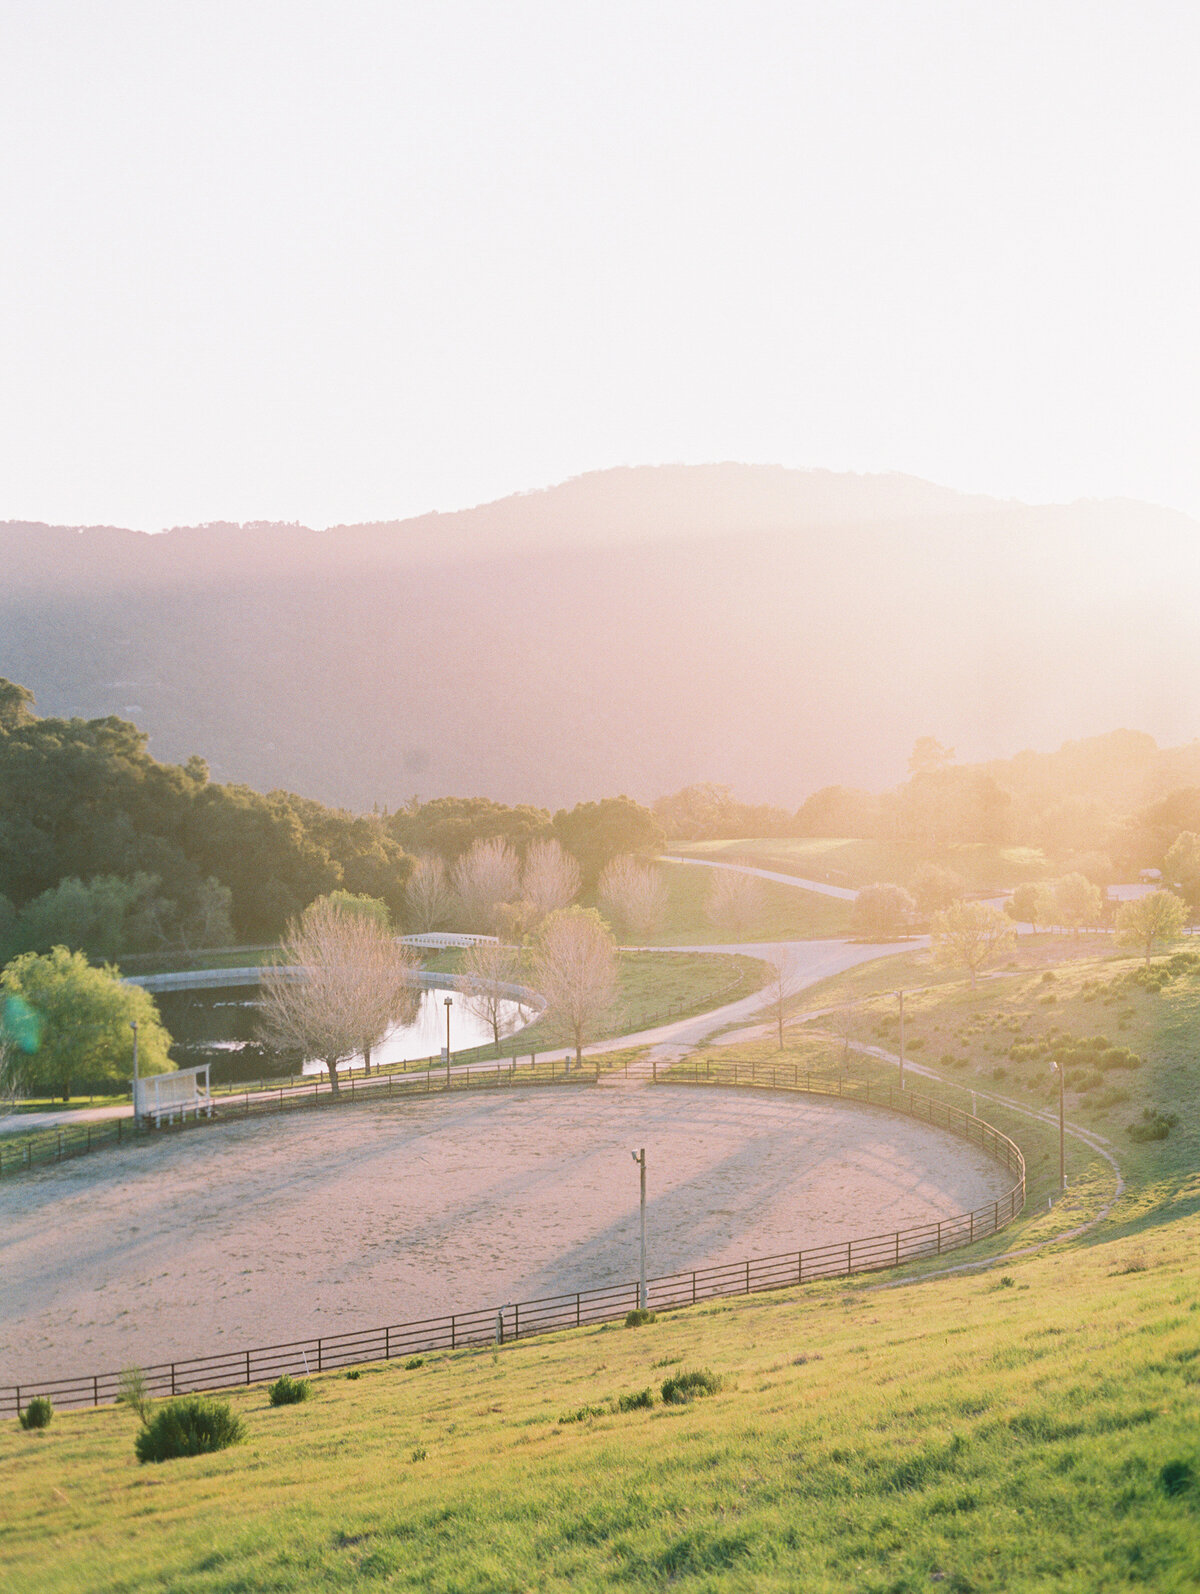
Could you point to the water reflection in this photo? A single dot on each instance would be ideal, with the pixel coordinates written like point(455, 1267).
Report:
point(222, 1027)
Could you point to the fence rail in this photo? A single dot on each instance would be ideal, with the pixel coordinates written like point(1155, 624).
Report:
point(58, 1145)
point(606, 1303)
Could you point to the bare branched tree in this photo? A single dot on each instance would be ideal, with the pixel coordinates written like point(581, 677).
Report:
point(575, 969)
point(782, 986)
point(635, 893)
point(550, 878)
point(344, 982)
point(427, 895)
point(487, 967)
point(484, 877)
point(734, 903)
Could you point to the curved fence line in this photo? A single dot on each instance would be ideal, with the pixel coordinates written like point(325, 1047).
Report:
point(554, 1313)
point(48, 1146)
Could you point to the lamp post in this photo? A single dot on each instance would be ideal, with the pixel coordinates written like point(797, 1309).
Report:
point(1062, 1127)
point(448, 1002)
point(134, 1028)
point(640, 1158)
point(900, 994)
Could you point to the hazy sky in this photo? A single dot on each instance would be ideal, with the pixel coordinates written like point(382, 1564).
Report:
point(335, 262)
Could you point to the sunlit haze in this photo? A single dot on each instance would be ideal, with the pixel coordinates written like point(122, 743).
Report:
point(342, 262)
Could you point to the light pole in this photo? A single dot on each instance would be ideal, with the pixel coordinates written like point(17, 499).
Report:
point(640, 1158)
point(134, 1028)
point(900, 994)
point(448, 1001)
point(1062, 1127)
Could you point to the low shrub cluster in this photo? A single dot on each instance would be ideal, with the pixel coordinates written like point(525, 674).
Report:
point(192, 1426)
point(639, 1400)
point(38, 1413)
point(1154, 1124)
point(288, 1391)
point(638, 1316)
point(682, 1387)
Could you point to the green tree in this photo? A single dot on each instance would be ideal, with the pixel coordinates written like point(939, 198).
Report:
point(1146, 922)
point(970, 935)
point(84, 1015)
point(882, 911)
point(1029, 904)
point(359, 906)
point(598, 832)
point(1181, 866)
point(1074, 902)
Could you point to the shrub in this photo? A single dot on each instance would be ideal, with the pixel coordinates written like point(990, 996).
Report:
point(288, 1391)
point(1153, 1125)
point(413, 1363)
point(1176, 1477)
point(355, 1372)
point(683, 1387)
point(582, 1414)
point(193, 1426)
point(638, 1316)
point(38, 1413)
point(638, 1401)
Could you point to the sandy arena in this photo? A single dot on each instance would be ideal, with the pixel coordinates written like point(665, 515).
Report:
point(318, 1222)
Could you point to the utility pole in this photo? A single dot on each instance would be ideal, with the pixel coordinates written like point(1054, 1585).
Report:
point(134, 1028)
point(900, 994)
point(448, 1043)
point(1062, 1126)
point(640, 1158)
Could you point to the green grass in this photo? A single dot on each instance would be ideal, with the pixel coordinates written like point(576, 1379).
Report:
point(965, 1434)
point(787, 913)
point(1000, 1036)
point(1031, 1427)
point(841, 862)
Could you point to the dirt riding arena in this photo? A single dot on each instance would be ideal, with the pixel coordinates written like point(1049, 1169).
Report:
point(247, 1234)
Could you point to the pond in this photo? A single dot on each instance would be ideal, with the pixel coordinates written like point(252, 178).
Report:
point(221, 1027)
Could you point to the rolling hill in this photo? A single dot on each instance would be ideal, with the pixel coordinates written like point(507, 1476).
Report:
point(635, 630)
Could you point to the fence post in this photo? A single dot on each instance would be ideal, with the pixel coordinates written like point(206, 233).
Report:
point(247, 1366)
point(939, 1249)
point(897, 1247)
point(576, 1308)
point(172, 1378)
point(693, 1286)
point(972, 1227)
point(517, 1321)
point(387, 1344)
point(452, 1345)
point(747, 1277)
point(849, 1243)
point(319, 1348)
point(95, 1391)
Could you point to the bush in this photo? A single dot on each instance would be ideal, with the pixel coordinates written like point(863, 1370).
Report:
point(683, 1387)
point(413, 1363)
point(638, 1316)
point(638, 1401)
point(288, 1391)
point(193, 1426)
point(38, 1413)
point(1153, 1125)
point(1176, 1477)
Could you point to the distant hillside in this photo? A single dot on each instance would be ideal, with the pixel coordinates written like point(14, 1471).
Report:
point(631, 630)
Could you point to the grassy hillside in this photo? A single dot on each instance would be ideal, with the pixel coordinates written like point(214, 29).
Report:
point(1029, 1427)
point(1032, 1430)
point(787, 914)
point(841, 862)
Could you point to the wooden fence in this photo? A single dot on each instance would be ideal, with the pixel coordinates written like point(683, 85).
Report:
point(606, 1303)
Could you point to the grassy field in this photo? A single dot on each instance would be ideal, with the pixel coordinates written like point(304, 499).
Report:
point(1027, 1430)
point(840, 862)
point(787, 914)
point(1031, 1427)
